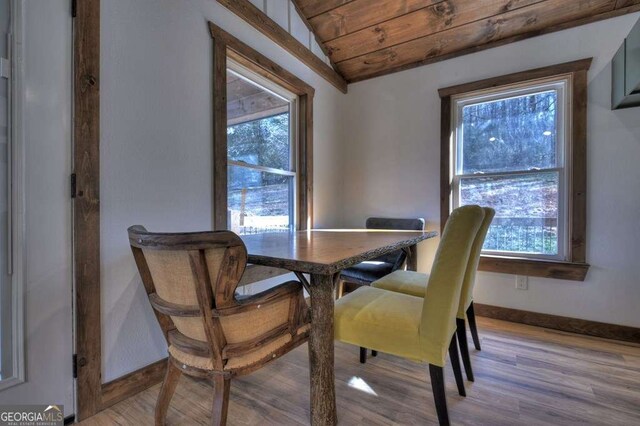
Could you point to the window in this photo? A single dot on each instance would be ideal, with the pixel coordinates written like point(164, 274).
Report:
point(519, 147)
point(509, 154)
point(262, 141)
point(261, 147)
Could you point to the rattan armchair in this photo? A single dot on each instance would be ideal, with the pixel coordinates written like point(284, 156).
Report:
point(191, 281)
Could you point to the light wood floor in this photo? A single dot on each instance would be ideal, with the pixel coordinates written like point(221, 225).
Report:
point(524, 376)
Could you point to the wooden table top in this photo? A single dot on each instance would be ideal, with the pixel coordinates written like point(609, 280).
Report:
point(326, 251)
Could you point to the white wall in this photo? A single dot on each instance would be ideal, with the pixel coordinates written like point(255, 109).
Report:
point(391, 167)
point(47, 152)
point(156, 154)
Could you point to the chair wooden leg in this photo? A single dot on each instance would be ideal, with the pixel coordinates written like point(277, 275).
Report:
point(220, 400)
point(171, 378)
point(363, 355)
point(461, 332)
point(374, 353)
point(471, 317)
point(339, 289)
point(455, 364)
point(437, 384)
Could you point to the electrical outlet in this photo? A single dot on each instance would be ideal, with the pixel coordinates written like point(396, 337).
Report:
point(521, 282)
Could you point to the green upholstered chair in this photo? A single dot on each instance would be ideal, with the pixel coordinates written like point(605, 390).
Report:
point(415, 284)
point(420, 329)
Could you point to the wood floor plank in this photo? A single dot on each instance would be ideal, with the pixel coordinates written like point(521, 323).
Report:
point(524, 375)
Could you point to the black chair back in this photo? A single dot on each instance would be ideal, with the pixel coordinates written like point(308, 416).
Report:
point(396, 258)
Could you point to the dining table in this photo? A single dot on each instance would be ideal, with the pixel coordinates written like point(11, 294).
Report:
point(323, 254)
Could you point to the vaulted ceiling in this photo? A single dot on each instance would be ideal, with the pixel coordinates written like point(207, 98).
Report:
point(368, 38)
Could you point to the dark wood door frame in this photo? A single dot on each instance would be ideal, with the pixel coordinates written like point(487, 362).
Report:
point(86, 206)
point(93, 395)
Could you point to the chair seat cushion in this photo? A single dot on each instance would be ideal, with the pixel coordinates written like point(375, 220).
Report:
point(380, 320)
point(368, 271)
point(406, 282)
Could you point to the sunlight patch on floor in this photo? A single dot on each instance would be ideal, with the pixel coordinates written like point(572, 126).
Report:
point(361, 385)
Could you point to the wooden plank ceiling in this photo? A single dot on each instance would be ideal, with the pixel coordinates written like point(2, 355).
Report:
point(369, 38)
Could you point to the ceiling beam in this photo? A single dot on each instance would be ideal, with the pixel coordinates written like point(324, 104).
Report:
point(260, 21)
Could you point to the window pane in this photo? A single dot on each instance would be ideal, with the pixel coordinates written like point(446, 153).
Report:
point(512, 134)
point(258, 130)
point(259, 201)
point(526, 207)
point(263, 142)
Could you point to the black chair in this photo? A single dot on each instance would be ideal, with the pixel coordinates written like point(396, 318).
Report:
point(367, 272)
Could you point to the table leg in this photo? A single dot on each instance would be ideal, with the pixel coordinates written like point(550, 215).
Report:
point(321, 356)
point(412, 257)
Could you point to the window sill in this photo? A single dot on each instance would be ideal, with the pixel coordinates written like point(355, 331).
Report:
point(534, 268)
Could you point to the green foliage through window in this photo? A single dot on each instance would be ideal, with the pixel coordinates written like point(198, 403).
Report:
point(514, 142)
point(263, 142)
point(510, 134)
point(260, 201)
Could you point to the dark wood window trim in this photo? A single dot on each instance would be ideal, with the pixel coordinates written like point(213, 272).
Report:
point(576, 267)
point(267, 26)
point(227, 46)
